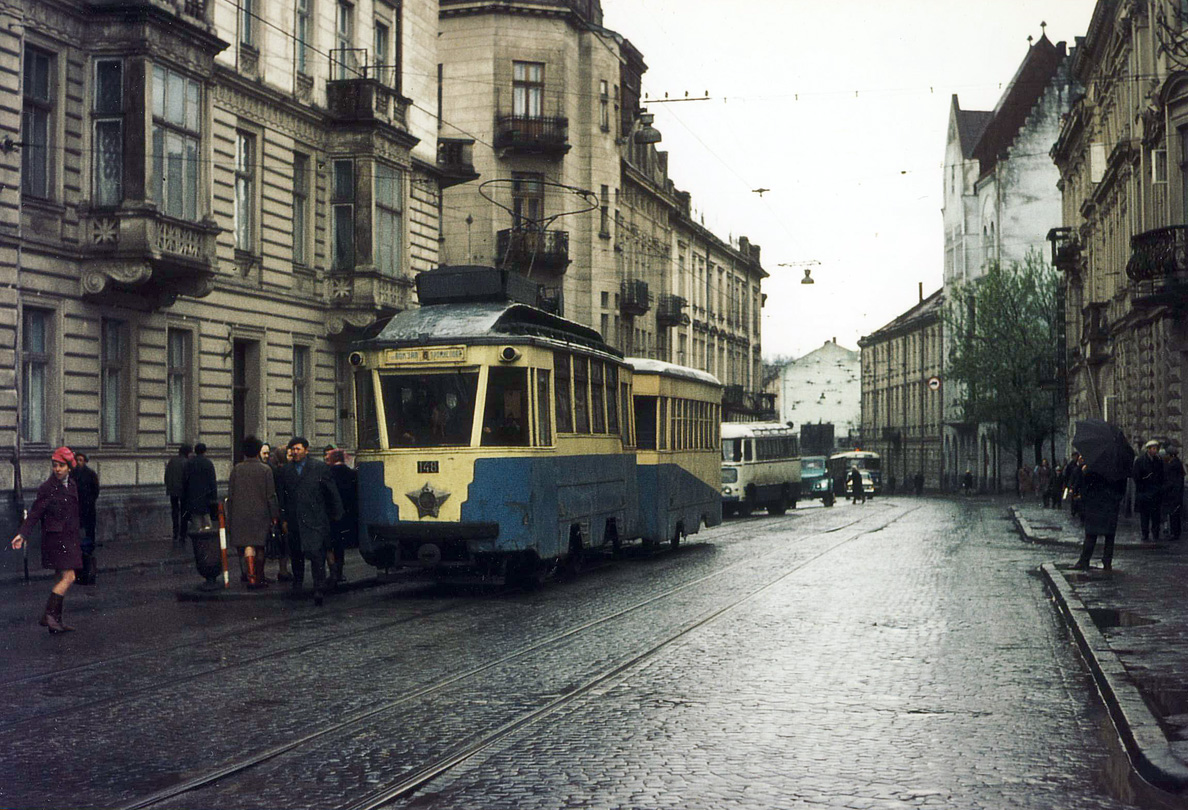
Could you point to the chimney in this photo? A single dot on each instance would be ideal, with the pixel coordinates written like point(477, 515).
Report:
point(921, 292)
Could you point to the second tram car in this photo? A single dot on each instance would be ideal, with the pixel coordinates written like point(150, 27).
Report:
point(760, 467)
point(840, 465)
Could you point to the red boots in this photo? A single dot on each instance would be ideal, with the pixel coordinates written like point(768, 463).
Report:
point(52, 618)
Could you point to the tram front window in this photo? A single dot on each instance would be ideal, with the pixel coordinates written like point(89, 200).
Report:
point(505, 421)
point(429, 410)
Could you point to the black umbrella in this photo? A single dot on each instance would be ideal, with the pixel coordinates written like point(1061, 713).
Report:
point(1104, 448)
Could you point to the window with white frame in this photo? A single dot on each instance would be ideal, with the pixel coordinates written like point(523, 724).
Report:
point(528, 89)
point(36, 342)
point(344, 38)
point(301, 201)
point(301, 372)
point(178, 385)
point(302, 42)
point(381, 56)
point(113, 374)
point(389, 219)
point(37, 117)
point(342, 210)
point(245, 192)
point(247, 22)
point(177, 105)
point(107, 128)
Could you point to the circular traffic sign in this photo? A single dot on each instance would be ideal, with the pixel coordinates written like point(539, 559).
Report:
point(934, 383)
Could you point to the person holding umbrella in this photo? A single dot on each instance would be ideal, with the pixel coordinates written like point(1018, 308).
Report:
point(1106, 460)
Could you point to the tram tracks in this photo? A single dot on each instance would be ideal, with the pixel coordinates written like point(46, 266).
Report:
point(420, 775)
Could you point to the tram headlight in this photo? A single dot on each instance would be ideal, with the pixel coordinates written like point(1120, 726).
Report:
point(355, 358)
point(509, 354)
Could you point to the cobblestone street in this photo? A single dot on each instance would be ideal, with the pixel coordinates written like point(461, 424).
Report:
point(899, 654)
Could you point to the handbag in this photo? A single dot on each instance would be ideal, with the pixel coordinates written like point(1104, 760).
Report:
point(275, 548)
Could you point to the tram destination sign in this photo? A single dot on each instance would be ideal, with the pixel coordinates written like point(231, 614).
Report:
point(434, 354)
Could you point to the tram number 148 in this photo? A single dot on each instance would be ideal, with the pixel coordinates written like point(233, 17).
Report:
point(426, 467)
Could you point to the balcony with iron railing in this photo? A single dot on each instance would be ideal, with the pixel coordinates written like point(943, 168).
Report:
point(532, 135)
point(670, 311)
point(634, 298)
point(455, 161)
point(1158, 267)
point(526, 249)
point(551, 299)
point(358, 92)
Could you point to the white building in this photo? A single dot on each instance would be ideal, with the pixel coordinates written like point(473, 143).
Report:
point(824, 386)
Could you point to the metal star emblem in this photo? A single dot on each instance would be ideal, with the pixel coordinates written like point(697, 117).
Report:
point(428, 500)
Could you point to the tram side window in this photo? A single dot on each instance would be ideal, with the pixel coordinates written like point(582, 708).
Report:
point(645, 423)
point(564, 408)
point(612, 398)
point(662, 429)
point(367, 419)
point(625, 402)
point(597, 410)
point(429, 410)
point(544, 425)
point(505, 413)
point(581, 394)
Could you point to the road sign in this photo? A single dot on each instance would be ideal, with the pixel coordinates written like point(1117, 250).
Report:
point(934, 383)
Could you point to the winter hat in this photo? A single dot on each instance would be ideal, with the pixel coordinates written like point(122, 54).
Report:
point(64, 455)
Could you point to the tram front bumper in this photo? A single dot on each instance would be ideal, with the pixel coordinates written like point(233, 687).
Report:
point(433, 545)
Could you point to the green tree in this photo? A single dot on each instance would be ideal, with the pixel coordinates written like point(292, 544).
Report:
point(1003, 351)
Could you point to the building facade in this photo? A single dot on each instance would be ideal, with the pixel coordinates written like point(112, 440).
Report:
point(550, 100)
point(203, 204)
point(1000, 191)
point(824, 387)
point(1123, 161)
point(901, 394)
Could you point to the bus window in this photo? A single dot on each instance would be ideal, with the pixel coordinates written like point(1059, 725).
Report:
point(612, 398)
point(367, 421)
point(429, 410)
point(581, 394)
point(564, 411)
point(544, 427)
point(732, 449)
point(505, 412)
point(645, 423)
point(748, 449)
point(597, 412)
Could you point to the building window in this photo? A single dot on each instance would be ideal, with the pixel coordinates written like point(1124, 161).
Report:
point(344, 36)
point(301, 198)
point(245, 192)
point(389, 222)
point(35, 363)
point(527, 199)
point(37, 163)
point(112, 362)
point(342, 203)
point(603, 109)
point(177, 390)
point(107, 180)
point(247, 22)
point(300, 389)
point(177, 104)
point(302, 39)
point(604, 216)
point(528, 89)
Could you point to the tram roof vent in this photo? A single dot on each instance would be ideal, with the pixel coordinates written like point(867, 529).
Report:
point(467, 283)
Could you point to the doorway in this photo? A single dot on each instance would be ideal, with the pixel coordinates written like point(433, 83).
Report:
point(245, 394)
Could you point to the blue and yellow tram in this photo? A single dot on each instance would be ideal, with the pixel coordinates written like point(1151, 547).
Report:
point(493, 438)
point(677, 413)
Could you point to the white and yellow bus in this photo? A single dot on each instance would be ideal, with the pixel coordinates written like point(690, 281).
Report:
point(760, 467)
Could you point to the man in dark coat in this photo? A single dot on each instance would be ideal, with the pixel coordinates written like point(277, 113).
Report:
point(201, 489)
point(1148, 483)
point(1073, 475)
point(1173, 492)
point(1100, 500)
point(175, 488)
point(309, 506)
point(88, 494)
point(344, 530)
point(856, 490)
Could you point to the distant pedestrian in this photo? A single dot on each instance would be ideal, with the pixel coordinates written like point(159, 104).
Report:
point(1148, 486)
point(1074, 477)
point(1041, 478)
point(251, 510)
point(201, 497)
point(344, 530)
point(88, 495)
point(56, 508)
point(918, 483)
point(1100, 500)
point(175, 488)
point(967, 483)
point(1024, 476)
point(856, 489)
point(1055, 489)
point(278, 548)
point(309, 506)
point(1173, 492)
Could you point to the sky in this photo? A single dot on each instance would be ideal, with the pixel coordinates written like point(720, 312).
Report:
point(840, 109)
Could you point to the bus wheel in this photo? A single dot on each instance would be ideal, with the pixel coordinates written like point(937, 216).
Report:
point(676, 536)
point(778, 507)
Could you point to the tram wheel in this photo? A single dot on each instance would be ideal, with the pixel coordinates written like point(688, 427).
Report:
point(525, 571)
point(573, 560)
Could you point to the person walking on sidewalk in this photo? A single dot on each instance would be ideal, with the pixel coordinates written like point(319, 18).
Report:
point(175, 488)
point(276, 458)
point(1073, 475)
point(56, 508)
point(201, 490)
point(1148, 482)
point(88, 494)
point(251, 510)
point(1024, 476)
point(1100, 500)
point(1173, 491)
point(309, 506)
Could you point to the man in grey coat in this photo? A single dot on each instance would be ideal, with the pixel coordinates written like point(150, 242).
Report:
point(309, 506)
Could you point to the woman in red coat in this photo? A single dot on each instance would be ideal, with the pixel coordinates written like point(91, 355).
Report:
point(56, 508)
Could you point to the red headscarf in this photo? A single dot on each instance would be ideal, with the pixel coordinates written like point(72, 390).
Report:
point(65, 456)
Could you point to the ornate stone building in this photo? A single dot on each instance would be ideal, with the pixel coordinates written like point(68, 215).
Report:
point(548, 99)
point(901, 397)
point(1123, 161)
point(201, 205)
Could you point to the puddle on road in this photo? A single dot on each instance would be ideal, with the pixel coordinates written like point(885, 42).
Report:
point(1110, 618)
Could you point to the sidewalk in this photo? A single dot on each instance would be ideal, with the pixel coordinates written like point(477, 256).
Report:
point(118, 555)
point(1131, 625)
